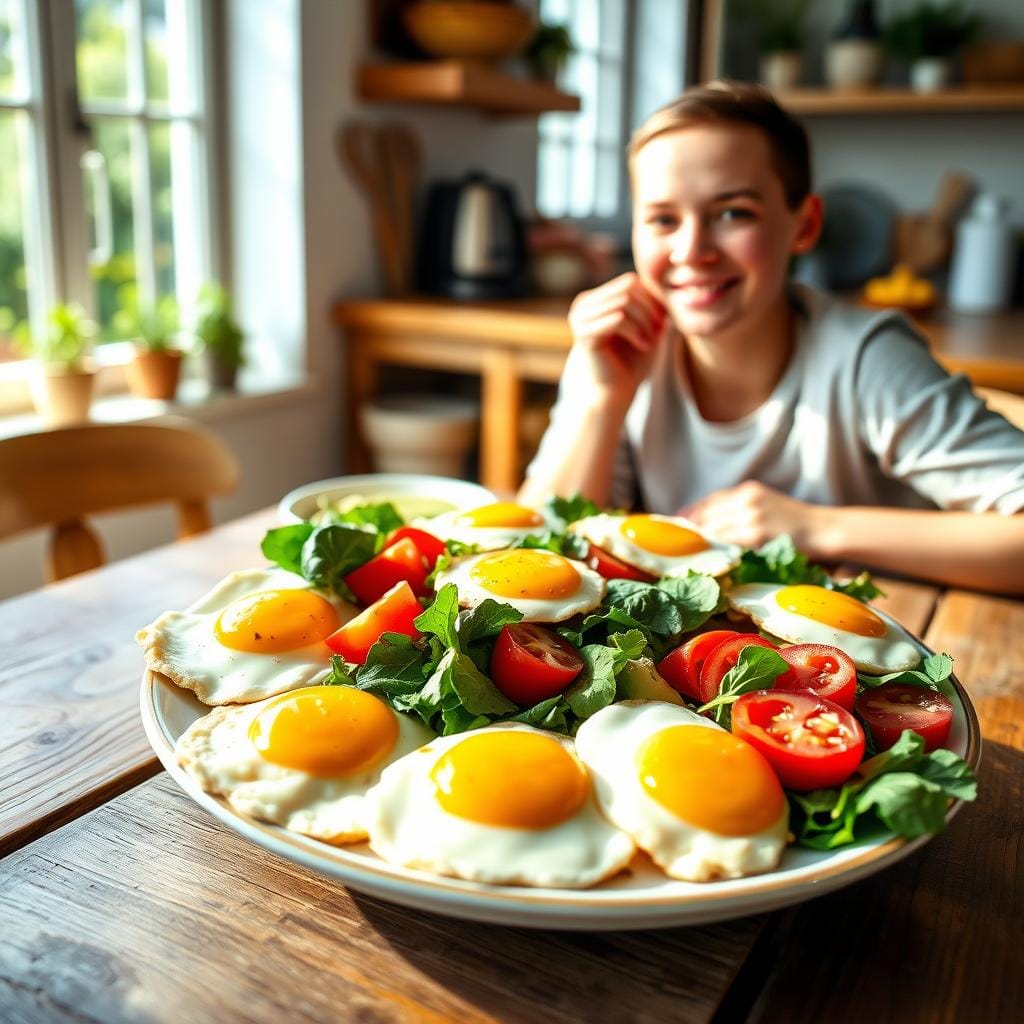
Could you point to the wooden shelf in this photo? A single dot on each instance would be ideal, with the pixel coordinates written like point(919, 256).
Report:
point(452, 83)
point(1009, 99)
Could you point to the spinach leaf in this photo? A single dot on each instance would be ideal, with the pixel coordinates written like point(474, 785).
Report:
point(441, 618)
point(383, 516)
point(571, 509)
point(283, 546)
point(757, 668)
point(331, 552)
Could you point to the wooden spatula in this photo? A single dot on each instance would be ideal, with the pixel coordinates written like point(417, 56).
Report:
point(923, 240)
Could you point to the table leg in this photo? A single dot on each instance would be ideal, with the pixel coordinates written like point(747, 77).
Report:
point(501, 401)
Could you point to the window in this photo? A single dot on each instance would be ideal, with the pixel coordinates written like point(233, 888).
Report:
point(111, 203)
point(629, 60)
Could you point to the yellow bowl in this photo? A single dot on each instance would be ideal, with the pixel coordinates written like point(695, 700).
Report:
point(469, 30)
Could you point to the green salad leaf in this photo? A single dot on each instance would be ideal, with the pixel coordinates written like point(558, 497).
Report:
point(382, 516)
point(283, 546)
point(571, 509)
point(933, 673)
point(756, 668)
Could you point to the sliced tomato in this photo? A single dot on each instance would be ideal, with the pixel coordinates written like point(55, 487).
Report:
point(810, 742)
point(893, 707)
point(530, 663)
point(393, 613)
point(612, 568)
point(722, 658)
point(431, 547)
point(681, 668)
point(821, 669)
point(401, 561)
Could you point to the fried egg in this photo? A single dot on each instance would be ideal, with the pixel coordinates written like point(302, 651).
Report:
point(490, 527)
point(544, 586)
point(661, 545)
point(805, 614)
point(257, 633)
point(703, 803)
point(505, 804)
point(303, 759)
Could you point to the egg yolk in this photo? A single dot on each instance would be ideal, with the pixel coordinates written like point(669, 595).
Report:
point(501, 513)
point(276, 620)
point(831, 608)
point(662, 538)
point(526, 572)
point(710, 779)
point(326, 731)
point(510, 780)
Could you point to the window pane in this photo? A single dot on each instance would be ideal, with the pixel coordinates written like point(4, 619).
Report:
point(613, 28)
point(101, 53)
point(11, 49)
point(553, 179)
point(13, 273)
point(163, 209)
point(155, 36)
point(113, 140)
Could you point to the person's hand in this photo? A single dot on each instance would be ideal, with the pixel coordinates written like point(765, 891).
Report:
point(752, 514)
point(617, 326)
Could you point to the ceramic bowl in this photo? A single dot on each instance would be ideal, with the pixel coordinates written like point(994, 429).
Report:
point(469, 31)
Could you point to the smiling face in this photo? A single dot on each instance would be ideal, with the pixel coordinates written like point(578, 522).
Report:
point(712, 232)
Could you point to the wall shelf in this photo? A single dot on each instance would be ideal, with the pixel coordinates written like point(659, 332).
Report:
point(975, 99)
point(452, 83)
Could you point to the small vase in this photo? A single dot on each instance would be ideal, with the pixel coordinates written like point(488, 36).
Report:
point(781, 70)
point(62, 397)
point(930, 74)
point(853, 63)
point(155, 374)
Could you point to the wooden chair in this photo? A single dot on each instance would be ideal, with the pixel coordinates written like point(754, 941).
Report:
point(58, 477)
point(1006, 403)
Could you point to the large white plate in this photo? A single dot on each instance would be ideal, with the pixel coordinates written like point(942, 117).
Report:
point(645, 898)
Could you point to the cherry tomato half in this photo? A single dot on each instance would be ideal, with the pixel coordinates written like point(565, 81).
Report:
point(681, 668)
point(810, 742)
point(820, 669)
point(612, 568)
point(530, 663)
point(893, 707)
point(401, 561)
point(393, 613)
point(431, 547)
point(723, 658)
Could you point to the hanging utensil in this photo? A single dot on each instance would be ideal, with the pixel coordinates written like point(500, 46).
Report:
point(402, 161)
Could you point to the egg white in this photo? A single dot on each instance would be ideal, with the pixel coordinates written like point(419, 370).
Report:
point(183, 646)
point(448, 526)
point(605, 531)
point(608, 743)
point(535, 609)
point(893, 652)
point(409, 827)
point(217, 752)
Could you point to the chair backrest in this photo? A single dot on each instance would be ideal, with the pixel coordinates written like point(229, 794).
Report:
point(58, 477)
point(1006, 403)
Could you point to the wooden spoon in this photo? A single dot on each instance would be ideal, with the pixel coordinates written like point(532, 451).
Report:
point(924, 240)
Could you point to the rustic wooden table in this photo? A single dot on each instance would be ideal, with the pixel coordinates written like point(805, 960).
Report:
point(120, 900)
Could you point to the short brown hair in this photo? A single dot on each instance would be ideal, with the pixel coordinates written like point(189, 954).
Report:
point(726, 102)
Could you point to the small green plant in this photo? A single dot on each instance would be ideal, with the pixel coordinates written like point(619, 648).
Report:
point(548, 50)
point(66, 341)
point(780, 24)
point(154, 327)
point(216, 326)
point(931, 30)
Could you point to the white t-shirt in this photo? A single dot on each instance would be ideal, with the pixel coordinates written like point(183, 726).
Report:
point(862, 415)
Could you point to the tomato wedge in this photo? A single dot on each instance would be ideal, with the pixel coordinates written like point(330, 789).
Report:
point(810, 742)
point(893, 707)
point(820, 669)
point(431, 547)
point(393, 613)
point(681, 668)
point(401, 561)
point(723, 658)
point(530, 663)
point(612, 568)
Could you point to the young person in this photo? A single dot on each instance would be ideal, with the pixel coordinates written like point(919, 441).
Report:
point(705, 383)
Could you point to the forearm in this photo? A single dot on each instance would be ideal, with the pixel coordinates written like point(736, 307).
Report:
point(586, 459)
point(984, 550)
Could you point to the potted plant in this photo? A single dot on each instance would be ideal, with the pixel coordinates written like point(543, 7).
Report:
point(62, 385)
point(780, 40)
point(929, 35)
point(547, 52)
point(156, 368)
point(221, 336)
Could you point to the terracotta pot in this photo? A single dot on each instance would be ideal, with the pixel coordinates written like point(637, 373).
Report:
point(62, 397)
point(155, 374)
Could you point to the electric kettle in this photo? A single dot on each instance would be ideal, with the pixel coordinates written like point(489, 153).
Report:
point(472, 244)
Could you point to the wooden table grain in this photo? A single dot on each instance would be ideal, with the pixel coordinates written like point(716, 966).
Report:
point(120, 900)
